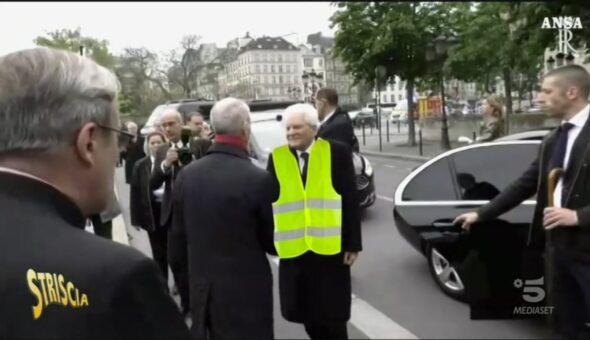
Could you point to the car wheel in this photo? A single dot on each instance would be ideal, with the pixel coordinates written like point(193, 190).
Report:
point(446, 275)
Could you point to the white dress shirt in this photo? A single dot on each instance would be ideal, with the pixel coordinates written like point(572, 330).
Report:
point(300, 160)
point(158, 193)
point(579, 120)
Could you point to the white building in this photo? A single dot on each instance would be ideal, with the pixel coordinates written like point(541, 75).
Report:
point(267, 67)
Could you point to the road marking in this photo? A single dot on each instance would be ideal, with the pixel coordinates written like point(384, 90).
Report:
point(385, 198)
point(390, 166)
point(370, 321)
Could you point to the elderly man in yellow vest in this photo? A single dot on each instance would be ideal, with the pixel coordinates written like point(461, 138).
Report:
point(317, 225)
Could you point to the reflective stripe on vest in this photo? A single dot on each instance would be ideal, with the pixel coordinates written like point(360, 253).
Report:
point(307, 218)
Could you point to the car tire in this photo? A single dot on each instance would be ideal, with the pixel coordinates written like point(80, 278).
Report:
point(445, 274)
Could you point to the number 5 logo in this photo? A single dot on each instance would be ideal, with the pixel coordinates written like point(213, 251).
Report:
point(532, 292)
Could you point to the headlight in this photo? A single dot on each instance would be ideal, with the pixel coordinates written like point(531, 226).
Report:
point(368, 167)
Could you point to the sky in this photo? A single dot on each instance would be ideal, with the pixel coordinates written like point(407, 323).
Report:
point(159, 26)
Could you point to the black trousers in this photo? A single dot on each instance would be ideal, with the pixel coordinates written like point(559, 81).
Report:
point(327, 331)
point(178, 260)
point(102, 229)
point(570, 293)
point(159, 242)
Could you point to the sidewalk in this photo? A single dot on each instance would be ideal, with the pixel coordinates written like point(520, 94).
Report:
point(397, 146)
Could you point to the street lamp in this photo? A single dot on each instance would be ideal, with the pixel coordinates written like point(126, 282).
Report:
point(559, 57)
point(550, 63)
point(380, 73)
point(313, 76)
point(439, 48)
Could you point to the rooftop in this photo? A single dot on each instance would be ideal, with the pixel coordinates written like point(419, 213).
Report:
point(269, 43)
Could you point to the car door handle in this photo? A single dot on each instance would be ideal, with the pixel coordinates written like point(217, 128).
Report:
point(444, 224)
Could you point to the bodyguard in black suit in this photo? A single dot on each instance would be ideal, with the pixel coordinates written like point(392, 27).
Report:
point(564, 230)
point(315, 289)
point(146, 204)
point(222, 206)
point(58, 150)
point(336, 124)
point(167, 166)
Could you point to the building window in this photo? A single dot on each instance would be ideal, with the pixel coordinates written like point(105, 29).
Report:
point(276, 80)
point(272, 68)
point(288, 68)
point(280, 58)
point(321, 63)
point(399, 97)
point(280, 68)
point(295, 79)
point(392, 98)
point(257, 68)
point(307, 62)
point(265, 68)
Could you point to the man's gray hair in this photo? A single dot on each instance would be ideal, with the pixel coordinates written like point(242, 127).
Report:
point(229, 116)
point(310, 114)
point(47, 95)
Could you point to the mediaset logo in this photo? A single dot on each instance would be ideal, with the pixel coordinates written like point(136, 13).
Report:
point(532, 292)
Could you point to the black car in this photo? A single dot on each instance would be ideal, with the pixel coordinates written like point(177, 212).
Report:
point(492, 259)
point(268, 133)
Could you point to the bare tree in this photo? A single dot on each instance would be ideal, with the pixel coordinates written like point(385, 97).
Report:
point(143, 65)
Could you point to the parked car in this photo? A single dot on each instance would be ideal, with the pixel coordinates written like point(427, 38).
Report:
point(268, 133)
point(186, 106)
point(360, 118)
point(492, 256)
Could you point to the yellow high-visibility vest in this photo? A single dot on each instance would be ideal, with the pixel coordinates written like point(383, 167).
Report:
point(310, 217)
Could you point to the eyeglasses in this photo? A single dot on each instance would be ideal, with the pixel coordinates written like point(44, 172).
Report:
point(123, 137)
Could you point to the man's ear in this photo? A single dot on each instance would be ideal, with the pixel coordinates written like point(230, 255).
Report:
point(85, 144)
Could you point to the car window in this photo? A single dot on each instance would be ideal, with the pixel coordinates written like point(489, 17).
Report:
point(434, 183)
point(269, 135)
point(482, 173)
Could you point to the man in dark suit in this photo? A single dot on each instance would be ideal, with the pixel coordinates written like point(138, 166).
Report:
point(58, 150)
point(563, 229)
point(314, 282)
point(145, 203)
point(335, 123)
point(201, 141)
point(222, 205)
point(134, 151)
point(167, 165)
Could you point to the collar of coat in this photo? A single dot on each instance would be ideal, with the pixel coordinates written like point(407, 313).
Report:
point(227, 149)
point(43, 195)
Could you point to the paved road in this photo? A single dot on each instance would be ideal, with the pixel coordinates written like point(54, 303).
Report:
point(395, 295)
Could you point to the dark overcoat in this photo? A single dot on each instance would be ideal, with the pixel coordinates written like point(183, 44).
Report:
point(222, 207)
point(61, 282)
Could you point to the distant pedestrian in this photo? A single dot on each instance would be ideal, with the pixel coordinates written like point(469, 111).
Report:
point(222, 207)
point(492, 127)
point(59, 139)
point(317, 225)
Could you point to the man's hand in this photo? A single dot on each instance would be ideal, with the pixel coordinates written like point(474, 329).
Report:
point(466, 220)
point(559, 217)
point(350, 257)
point(171, 157)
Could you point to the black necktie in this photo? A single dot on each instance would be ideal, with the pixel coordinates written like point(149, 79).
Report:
point(558, 156)
point(305, 157)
